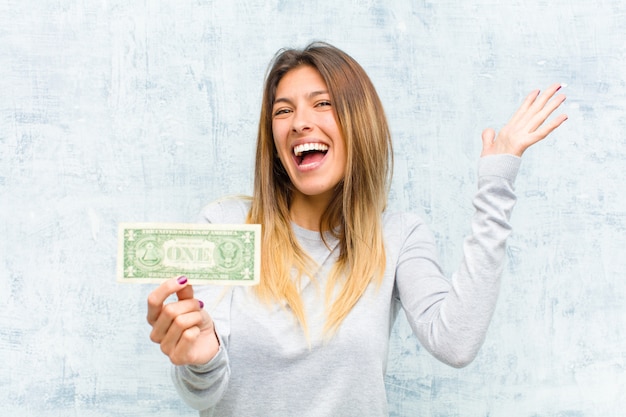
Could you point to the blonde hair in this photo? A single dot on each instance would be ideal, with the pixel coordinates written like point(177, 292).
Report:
point(354, 213)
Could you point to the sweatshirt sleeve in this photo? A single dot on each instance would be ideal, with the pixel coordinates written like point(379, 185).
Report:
point(202, 387)
point(451, 317)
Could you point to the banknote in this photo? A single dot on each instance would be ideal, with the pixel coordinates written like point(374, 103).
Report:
point(204, 253)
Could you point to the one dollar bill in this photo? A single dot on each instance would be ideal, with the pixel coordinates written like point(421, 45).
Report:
point(204, 253)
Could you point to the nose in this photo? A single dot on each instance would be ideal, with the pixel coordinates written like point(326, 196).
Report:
point(301, 122)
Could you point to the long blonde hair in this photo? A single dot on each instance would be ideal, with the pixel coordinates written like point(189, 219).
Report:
point(354, 214)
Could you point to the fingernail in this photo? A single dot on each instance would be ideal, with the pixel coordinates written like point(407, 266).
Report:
point(182, 280)
point(201, 304)
point(559, 87)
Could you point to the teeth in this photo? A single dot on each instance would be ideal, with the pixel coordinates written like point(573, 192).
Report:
point(305, 147)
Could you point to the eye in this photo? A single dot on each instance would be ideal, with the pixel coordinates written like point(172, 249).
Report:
point(281, 111)
point(323, 103)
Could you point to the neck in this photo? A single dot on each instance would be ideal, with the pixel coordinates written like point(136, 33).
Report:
point(306, 211)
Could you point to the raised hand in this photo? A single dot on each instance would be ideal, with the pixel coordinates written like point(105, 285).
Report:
point(183, 329)
point(527, 126)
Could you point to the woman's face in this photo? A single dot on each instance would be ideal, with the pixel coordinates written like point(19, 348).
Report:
point(306, 134)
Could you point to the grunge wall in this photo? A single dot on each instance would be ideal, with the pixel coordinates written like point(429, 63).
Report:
point(130, 110)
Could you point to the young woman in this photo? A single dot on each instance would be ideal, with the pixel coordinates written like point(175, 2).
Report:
point(312, 338)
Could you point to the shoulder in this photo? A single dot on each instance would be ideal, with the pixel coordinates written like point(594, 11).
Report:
point(395, 219)
point(227, 210)
point(400, 226)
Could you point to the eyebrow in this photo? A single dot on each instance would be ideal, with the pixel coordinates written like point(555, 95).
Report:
point(312, 94)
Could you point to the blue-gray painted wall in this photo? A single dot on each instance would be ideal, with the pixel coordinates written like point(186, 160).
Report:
point(123, 110)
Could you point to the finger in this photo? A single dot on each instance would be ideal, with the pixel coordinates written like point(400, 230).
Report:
point(543, 115)
point(182, 352)
point(180, 324)
point(523, 109)
point(488, 136)
point(161, 293)
point(169, 314)
point(547, 95)
point(540, 102)
point(534, 103)
point(186, 293)
point(542, 133)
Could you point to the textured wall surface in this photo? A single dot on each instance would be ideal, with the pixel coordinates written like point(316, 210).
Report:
point(124, 110)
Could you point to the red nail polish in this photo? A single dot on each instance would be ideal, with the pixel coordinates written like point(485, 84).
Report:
point(182, 280)
point(201, 304)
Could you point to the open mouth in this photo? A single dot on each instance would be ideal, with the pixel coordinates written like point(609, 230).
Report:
point(309, 153)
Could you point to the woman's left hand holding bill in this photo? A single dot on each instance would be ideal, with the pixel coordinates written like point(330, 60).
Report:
point(528, 125)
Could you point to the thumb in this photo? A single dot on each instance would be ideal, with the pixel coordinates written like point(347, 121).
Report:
point(488, 136)
point(185, 293)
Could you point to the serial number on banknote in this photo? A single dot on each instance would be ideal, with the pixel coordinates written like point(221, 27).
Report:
point(204, 253)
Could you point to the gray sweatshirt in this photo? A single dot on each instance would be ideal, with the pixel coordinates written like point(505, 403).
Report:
point(266, 366)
